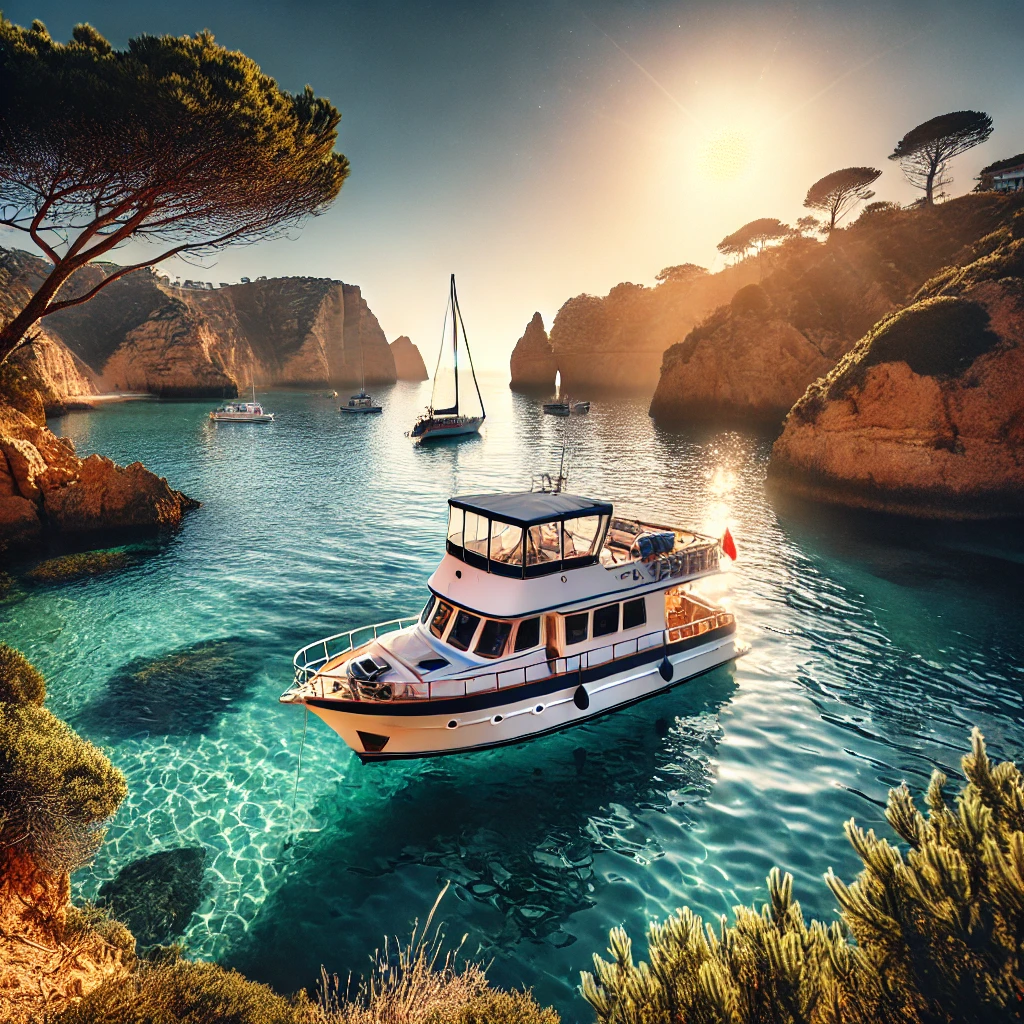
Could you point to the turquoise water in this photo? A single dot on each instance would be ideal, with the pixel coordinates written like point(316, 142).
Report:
point(874, 647)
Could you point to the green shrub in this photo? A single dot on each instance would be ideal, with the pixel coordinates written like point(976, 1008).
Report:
point(938, 930)
point(20, 681)
point(183, 992)
point(57, 788)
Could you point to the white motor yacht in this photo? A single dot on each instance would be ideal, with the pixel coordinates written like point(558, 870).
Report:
point(242, 412)
point(361, 403)
point(546, 610)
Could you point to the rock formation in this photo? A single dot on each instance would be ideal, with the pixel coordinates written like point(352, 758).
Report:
point(144, 334)
point(533, 364)
point(45, 486)
point(753, 358)
point(409, 363)
point(617, 342)
point(925, 416)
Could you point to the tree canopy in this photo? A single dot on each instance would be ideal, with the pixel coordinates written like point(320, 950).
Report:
point(175, 142)
point(755, 235)
point(839, 192)
point(678, 274)
point(925, 151)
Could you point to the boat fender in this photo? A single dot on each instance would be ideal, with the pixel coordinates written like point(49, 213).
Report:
point(666, 670)
point(581, 698)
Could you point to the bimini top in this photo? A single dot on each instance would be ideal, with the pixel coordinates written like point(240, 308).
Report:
point(530, 508)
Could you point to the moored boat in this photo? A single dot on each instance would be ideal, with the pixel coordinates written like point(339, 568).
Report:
point(452, 420)
point(556, 408)
point(242, 412)
point(361, 403)
point(546, 610)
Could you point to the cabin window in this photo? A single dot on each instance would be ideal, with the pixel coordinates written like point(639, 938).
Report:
point(427, 608)
point(493, 638)
point(543, 544)
point(506, 546)
point(462, 632)
point(576, 628)
point(454, 527)
point(440, 620)
point(606, 620)
point(580, 536)
point(475, 533)
point(528, 634)
point(634, 613)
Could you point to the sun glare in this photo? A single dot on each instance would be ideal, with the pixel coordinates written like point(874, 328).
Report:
point(727, 155)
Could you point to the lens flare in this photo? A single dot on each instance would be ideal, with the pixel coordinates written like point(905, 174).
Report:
point(727, 155)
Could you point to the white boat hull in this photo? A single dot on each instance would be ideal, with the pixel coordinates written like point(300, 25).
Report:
point(245, 417)
point(518, 716)
point(472, 426)
point(368, 410)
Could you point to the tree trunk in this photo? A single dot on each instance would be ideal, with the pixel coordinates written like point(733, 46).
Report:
point(35, 309)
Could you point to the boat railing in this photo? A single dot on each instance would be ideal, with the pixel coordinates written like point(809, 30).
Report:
point(327, 684)
point(311, 658)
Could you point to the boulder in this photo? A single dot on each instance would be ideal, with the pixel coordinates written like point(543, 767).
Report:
point(533, 364)
point(409, 363)
point(925, 416)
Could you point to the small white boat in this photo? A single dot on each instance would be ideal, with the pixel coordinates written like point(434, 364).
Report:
point(450, 421)
point(242, 412)
point(361, 403)
point(546, 611)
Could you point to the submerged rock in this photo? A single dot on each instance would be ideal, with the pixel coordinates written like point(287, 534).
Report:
point(177, 693)
point(925, 416)
point(157, 895)
point(409, 363)
point(79, 565)
point(533, 364)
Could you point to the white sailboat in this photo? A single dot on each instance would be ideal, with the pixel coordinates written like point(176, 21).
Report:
point(451, 421)
point(361, 403)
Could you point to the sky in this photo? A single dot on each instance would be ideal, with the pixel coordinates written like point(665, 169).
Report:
point(543, 149)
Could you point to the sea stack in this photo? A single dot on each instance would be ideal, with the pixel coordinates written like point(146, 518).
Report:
point(533, 363)
point(409, 363)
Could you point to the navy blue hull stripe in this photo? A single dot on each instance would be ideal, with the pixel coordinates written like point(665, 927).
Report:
point(528, 691)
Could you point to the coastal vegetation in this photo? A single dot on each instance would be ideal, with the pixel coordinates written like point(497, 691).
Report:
point(211, 152)
point(840, 192)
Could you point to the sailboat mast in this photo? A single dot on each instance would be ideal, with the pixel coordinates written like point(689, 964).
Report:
point(455, 344)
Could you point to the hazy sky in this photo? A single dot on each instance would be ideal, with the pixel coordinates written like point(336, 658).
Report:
point(540, 150)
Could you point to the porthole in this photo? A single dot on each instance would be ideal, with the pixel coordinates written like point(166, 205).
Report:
point(564, 579)
point(453, 724)
point(539, 709)
point(497, 719)
point(458, 574)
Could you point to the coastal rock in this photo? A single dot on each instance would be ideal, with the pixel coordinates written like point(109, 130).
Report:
point(753, 358)
point(533, 364)
point(156, 896)
point(43, 483)
point(925, 416)
point(409, 363)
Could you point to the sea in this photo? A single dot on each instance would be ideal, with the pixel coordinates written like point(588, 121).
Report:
point(876, 645)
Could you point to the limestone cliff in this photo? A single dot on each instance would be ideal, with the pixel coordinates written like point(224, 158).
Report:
point(925, 416)
point(46, 488)
point(533, 364)
point(617, 342)
point(755, 357)
point(409, 363)
point(144, 334)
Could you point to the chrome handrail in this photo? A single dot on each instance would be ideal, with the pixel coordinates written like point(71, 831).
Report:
point(308, 667)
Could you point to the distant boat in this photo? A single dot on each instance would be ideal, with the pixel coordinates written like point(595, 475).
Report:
point(451, 421)
point(361, 403)
point(242, 412)
point(556, 408)
point(581, 407)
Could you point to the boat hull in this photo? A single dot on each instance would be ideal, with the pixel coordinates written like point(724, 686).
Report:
point(365, 412)
point(521, 714)
point(451, 430)
point(267, 417)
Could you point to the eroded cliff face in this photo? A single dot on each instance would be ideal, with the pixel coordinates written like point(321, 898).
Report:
point(925, 416)
point(533, 364)
point(755, 357)
point(409, 363)
point(143, 334)
point(617, 342)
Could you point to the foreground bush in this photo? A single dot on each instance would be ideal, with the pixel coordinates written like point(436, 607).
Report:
point(938, 930)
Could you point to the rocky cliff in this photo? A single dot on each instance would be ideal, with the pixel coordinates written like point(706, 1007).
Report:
point(533, 364)
point(46, 488)
point(753, 358)
point(617, 341)
point(409, 363)
point(925, 415)
point(144, 334)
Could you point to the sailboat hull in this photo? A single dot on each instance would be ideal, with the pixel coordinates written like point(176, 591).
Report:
point(454, 427)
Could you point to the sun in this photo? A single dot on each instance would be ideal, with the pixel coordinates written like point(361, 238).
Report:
point(727, 155)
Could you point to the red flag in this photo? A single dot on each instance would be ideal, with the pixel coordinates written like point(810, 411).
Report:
point(729, 545)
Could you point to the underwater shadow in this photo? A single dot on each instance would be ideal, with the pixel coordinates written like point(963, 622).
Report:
point(178, 693)
point(516, 830)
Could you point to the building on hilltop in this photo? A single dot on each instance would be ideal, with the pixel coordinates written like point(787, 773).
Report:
point(1003, 175)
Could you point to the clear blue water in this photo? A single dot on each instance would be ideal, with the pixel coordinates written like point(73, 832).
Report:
point(875, 647)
